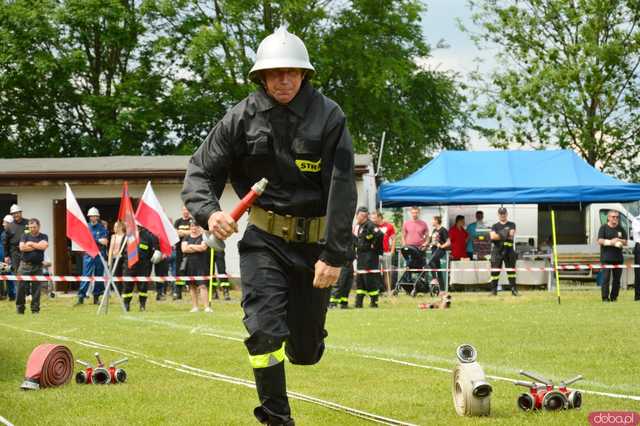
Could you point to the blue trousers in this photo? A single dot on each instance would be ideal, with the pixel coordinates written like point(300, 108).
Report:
point(91, 267)
point(8, 287)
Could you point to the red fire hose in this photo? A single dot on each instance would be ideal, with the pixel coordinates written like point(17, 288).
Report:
point(48, 365)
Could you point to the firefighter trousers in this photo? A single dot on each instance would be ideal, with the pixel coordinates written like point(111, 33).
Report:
point(127, 293)
point(340, 292)
point(283, 313)
point(498, 257)
point(368, 284)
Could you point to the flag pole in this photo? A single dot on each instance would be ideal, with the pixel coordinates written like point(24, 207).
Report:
point(211, 269)
point(104, 303)
point(555, 253)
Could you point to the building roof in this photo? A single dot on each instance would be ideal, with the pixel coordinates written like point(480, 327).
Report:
point(16, 170)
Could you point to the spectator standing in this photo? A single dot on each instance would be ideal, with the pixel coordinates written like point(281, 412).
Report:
point(142, 268)
point(116, 248)
point(502, 235)
point(388, 244)
point(32, 246)
point(439, 243)
point(92, 266)
point(7, 288)
point(13, 234)
point(117, 252)
point(611, 237)
point(196, 252)
point(458, 237)
point(368, 251)
point(635, 226)
point(472, 230)
point(415, 231)
point(182, 226)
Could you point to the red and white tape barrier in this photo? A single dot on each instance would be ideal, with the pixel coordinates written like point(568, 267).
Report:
point(74, 278)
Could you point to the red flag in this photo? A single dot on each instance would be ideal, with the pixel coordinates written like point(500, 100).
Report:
point(125, 214)
point(77, 228)
point(151, 215)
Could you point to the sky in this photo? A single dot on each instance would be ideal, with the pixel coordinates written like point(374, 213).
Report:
point(439, 22)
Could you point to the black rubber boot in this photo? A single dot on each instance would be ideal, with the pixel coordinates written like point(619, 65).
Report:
point(359, 300)
point(374, 302)
point(514, 290)
point(344, 305)
point(272, 392)
point(127, 305)
point(216, 296)
point(96, 299)
point(494, 289)
point(225, 292)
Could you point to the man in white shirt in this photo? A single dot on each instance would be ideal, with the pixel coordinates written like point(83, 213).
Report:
point(635, 229)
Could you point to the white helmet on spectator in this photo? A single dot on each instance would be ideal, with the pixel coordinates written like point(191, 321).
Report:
point(8, 218)
point(93, 212)
point(156, 257)
point(15, 209)
point(281, 50)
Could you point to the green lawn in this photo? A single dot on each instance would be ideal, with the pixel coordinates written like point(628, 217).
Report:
point(581, 336)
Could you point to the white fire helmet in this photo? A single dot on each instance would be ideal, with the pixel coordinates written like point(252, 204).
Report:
point(281, 50)
point(93, 212)
point(15, 209)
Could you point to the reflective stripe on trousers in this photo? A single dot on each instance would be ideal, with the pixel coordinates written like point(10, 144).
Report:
point(267, 360)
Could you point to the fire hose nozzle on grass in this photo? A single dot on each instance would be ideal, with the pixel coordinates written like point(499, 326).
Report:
point(471, 391)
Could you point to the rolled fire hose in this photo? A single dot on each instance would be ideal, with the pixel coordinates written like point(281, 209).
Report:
point(471, 392)
point(48, 365)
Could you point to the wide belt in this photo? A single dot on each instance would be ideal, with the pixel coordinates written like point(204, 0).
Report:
point(290, 228)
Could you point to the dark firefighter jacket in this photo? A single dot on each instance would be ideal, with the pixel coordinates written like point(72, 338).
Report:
point(304, 150)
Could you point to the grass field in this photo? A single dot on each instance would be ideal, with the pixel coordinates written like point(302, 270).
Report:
point(581, 336)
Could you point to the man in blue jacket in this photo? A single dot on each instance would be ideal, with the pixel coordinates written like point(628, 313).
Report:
point(92, 266)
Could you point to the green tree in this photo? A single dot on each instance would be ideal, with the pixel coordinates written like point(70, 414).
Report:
point(79, 78)
point(567, 76)
point(365, 55)
point(101, 77)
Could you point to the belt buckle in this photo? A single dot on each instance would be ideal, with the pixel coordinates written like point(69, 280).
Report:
point(300, 229)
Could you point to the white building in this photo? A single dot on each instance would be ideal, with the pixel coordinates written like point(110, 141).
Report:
point(37, 185)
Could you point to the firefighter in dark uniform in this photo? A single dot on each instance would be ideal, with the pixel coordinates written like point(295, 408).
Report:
point(299, 232)
point(368, 252)
point(502, 235)
point(340, 292)
point(142, 268)
point(12, 236)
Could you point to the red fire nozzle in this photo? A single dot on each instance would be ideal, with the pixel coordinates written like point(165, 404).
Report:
point(243, 205)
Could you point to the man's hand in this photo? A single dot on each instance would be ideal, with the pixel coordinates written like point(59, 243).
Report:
point(326, 275)
point(7, 260)
point(221, 225)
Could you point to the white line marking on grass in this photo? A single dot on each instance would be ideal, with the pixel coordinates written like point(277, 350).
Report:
point(364, 351)
point(183, 368)
point(505, 379)
point(5, 421)
point(296, 395)
point(201, 330)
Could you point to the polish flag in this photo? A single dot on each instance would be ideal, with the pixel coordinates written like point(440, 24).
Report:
point(151, 215)
point(126, 215)
point(77, 229)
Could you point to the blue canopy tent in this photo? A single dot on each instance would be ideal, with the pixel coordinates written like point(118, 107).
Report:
point(514, 177)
